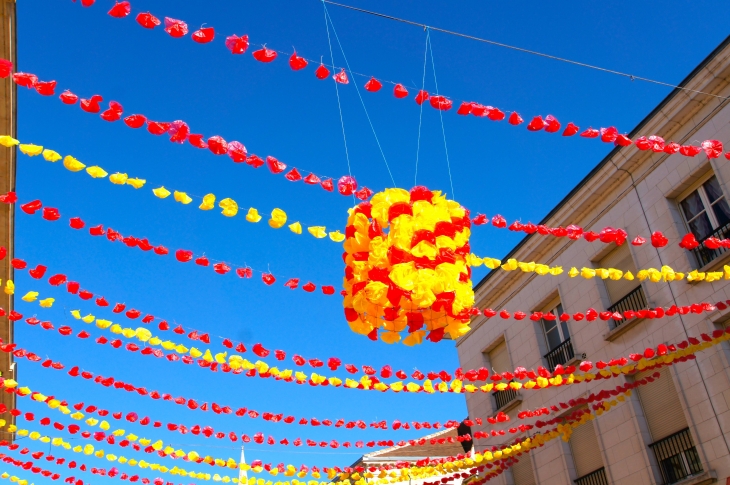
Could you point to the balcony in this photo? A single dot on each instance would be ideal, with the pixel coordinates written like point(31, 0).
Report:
point(635, 300)
point(506, 399)
point(704, 255)
point(597, 477)
point(677, 457)
point(561, 354)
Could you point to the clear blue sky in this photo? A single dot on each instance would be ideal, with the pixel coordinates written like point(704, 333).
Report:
point(293, 116)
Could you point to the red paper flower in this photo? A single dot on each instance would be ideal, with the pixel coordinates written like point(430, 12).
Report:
point(689, 150)
point(204, 35)
point(67, 97)
point(609, 135)
point(296, 62)
point(91, 105)
point(713, 148)
point(622, 140)
point(46, 88)
point(18, 263)
point(309, 287)
point(275, 165)
point(264, 55)
point(31, 207)
point(236, 44)
point(268, 278)
point(135, 121)
point(51, 214)
point(689, 242)
point(328, 290)
point(536, 124)
point(515, 119)
point(293, 175)
point(197, 141)
point(120, 10)
point(292, 284)
point(178, 131)
point(341, 77)
point(311, 179)
point(244, 272)
point(347, 185)
point(400, 91)
point(237, 151)
point(6, 67)
point(202, 261)
point(658, 240)
point(176, 28)
point(38, 272)
point(441, 103)
point(157, 128)
point(221, 268)
point(638, 241)
point(552, 125)
point(322, 72)
point(364, 193)
point(57, 279)
point(183, 256)
point(590, 133)
point(421, 97)
point(217, 145)
point(570, 129)
point(373, 85)
point(147, 20)
point(327, 185)
point(24, 79)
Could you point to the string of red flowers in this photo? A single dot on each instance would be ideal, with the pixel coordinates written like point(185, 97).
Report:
point(112, 472)
point(240, 44)
point(181, 255)
point(179, 132)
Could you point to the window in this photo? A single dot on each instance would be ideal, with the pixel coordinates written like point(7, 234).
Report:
point(522, 473)
point(587, 455)
point(623, 294)
point(499, 363)
point(707, 214)
point(672, 442)
point(557, 337)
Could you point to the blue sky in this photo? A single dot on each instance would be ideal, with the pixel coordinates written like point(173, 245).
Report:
point(496, 168)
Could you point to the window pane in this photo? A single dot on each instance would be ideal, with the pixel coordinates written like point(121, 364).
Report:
point(712, 189)
point(564, 328)
point(553, 337)
point(701, 227)
point(548, 326)
point(692, 205)
point(722, 212)
point(558, 310)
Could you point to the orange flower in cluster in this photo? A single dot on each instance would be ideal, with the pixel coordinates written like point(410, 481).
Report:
point(407, 267)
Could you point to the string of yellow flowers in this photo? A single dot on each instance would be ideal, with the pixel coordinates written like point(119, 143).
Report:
point(14, 479)
point(456, 386)
point(666, 273)
point(228, 206)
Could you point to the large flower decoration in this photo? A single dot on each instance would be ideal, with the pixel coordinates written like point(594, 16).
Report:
point(407, 267)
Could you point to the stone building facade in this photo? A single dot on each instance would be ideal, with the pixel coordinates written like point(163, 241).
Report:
point(677, 429)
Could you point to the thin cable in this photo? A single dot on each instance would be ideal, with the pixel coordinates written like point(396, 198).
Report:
point(520, 49)
point(360, 96)
point(420, 116)
point(441, 115)
point(339, 105)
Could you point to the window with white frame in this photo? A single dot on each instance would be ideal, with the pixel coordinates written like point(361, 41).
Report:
point(706, 209)
point(556, 331)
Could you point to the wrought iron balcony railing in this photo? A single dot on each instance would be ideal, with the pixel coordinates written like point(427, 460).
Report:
point(636, 300)
point(705, 255)
point(502, 398)
point(597, 477)
point(560, 354)
point(677, 456)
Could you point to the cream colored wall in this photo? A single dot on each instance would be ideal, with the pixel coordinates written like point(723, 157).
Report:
point(609, 200)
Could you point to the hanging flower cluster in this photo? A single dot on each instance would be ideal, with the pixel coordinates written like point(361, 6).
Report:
point(549, 124)
point(179, 132)
point(229, 206)
point(406, 267)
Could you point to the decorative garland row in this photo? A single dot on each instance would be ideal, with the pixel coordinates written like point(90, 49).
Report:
point(179, 132)
point(229, 206)
point(239, 45)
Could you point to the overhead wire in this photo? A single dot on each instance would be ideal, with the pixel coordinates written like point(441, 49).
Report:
point(632, 77)
point(360, 96)
point(420, 116)
point(441, 115)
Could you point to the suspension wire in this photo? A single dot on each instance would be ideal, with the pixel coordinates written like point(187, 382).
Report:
point(523, 50)
point(359, 95)
point(420, 116)
point(441, 115)
point(339, 104)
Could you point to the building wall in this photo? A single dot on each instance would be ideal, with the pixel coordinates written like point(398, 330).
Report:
point(8, 119)
point(608, 198)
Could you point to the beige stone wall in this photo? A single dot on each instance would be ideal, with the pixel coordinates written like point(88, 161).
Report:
point(8, 120)
point(609, 199)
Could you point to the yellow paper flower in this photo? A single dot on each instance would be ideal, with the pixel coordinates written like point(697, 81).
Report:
point(278, 218)
point(51, 156)
point(317, 231)
point(47, 302)
point(8, 141)
point(208, 202)
point(96, 172)
point(72, 164)
point(136, 183)
point(30, 149)
point(30, 296)
point(161, 192)
point(337, 236)
point(118, 178)
point(296, 228)
point(182, 197)
point(229, 206)
point(253, 215)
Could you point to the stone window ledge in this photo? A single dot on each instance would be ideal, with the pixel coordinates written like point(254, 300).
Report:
point(615, 333)
point(704, 478)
